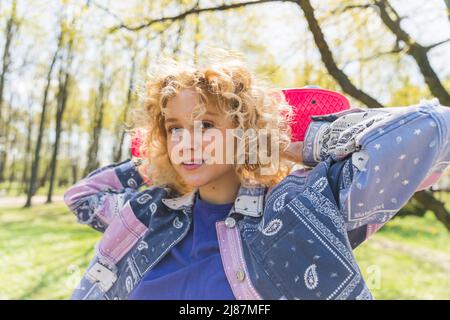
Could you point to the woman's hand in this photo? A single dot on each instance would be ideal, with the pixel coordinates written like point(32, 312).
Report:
point(294, 152)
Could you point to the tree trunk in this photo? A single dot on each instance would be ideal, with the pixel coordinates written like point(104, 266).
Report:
point(58, 130)
point(12, 173)
point(118, 152)
point(447, 4)
point(5, 128)
point(6, 62)
point(74, 170)
point(44, 177)
point(37, 154)
point(26, 158)
point(60, 108)
point(120, 129)
point(328, 59)
point(97, 125)
point(429, 202)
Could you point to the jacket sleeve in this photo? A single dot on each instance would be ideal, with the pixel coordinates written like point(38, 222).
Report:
point(97, 198)
point(406, 151)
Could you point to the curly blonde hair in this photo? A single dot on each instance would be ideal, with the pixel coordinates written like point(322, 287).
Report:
point(226, 85)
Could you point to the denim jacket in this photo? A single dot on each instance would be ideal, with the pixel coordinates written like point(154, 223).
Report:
point(293, 240)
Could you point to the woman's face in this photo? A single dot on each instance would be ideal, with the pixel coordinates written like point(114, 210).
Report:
point(191, 154)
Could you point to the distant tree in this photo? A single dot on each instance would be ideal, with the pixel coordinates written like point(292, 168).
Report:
point(37, 150)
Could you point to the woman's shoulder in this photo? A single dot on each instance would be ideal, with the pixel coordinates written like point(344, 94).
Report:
point(296, 177)
point(150, 194)
point(288, 187)
point(143, 203)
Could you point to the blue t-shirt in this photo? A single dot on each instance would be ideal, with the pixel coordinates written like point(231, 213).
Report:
point(191, 270)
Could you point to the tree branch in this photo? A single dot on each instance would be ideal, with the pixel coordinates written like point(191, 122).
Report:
point(343, 9)
point(105, 9)
point(434, 45)
point(193, 10)
point(429, 202)
point(416, 50)
point(376, 56)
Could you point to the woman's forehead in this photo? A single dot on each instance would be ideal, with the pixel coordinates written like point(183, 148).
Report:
point(185, 102)
point(184, 98)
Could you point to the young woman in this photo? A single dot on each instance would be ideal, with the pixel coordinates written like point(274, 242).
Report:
point(250, 226)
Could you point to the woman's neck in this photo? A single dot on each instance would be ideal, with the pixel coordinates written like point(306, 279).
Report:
point(222, 190)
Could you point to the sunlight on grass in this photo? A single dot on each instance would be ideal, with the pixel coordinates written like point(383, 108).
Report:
point(409, 258)
point(44, 252)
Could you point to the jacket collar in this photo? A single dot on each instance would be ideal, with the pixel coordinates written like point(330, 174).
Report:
point(186, 200)
point(249, 201)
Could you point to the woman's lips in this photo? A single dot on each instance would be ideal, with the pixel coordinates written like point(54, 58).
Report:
point(192, 166)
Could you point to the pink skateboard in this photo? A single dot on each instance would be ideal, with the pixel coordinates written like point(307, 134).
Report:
point(305, 102)
point(309, 101)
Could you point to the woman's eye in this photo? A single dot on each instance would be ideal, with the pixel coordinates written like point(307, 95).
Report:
point(207, 125)
point(174, 130)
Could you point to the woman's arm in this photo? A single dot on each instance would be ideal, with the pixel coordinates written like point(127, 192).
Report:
point(380, 164)
point(97, 198)
point(294, 152)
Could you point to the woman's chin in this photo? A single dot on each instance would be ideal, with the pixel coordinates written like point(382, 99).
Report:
point(202, 175)
point(194, 180)
point(194, 183)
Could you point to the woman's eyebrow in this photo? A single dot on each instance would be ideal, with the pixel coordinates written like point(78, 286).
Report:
point(209, 113)
point(170, 120)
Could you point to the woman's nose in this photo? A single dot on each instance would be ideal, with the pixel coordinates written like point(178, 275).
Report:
point(192, 140)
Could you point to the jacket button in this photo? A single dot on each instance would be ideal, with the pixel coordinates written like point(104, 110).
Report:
point(240, 275)
point(230, 222)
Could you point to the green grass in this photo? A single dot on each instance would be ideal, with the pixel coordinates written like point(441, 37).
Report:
point(15, 190)
point(43, 252)
point(409, 258)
